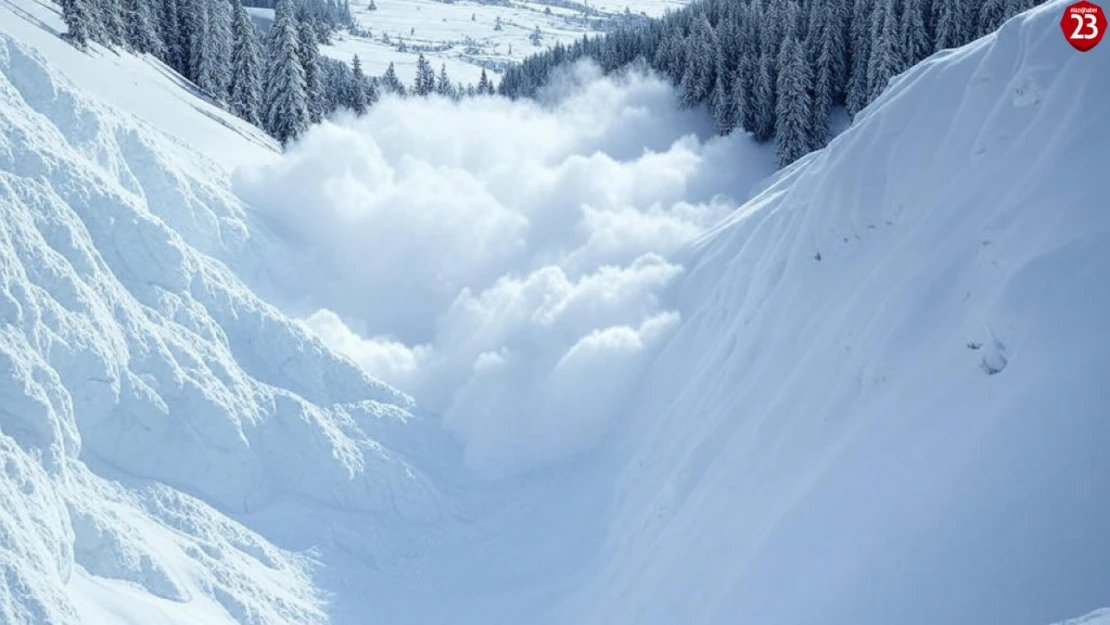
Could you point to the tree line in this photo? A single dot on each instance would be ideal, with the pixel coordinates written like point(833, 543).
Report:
point(279, 82)
point(777, 68)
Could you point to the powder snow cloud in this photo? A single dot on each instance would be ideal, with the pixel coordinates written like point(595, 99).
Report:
point(504, 261)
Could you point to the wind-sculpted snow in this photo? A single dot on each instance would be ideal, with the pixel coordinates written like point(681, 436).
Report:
point(128, 351)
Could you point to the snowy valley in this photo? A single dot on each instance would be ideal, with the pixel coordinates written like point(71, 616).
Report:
point(577, 360)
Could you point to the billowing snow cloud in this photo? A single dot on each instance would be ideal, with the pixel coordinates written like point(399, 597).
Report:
point(503, 261)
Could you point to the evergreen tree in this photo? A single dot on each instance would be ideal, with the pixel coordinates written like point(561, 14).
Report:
point(830, 64)
point(169, 27)
point(309, 54)
point(193, 19)
point(793, 113)
point(443, 83)
point(948, 20)
point(701, 64)
point(722, 105)
point(285, 103)
point(245, 85)
point(670, 57)
point(142, 36)
point(78, 19)
point(916, 44)
point(992, 13)
point(391, 83)
point(111, 20)
point(357, 99)
point(745, 88)
point(859, 89)
point(886, 60)
point(743, 93)
point(484, 85)
point(425, 82)
point(219, 45)
point(764, 99)
point(204, 56)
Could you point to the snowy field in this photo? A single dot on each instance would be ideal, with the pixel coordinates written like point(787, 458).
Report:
point(464, 35)
point(492, 362)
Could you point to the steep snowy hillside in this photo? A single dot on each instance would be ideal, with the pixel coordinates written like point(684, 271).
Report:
point(146, 393)
point(887, 402)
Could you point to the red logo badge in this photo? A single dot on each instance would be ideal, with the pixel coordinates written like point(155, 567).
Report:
point(1083, 24)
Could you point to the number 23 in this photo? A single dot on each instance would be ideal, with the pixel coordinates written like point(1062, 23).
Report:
point(1090, 22)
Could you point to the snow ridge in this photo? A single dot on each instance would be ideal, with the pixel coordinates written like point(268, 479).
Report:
point(129, 351)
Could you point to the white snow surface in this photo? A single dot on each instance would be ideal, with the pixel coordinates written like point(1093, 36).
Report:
point(871, 394)
point(463, 34)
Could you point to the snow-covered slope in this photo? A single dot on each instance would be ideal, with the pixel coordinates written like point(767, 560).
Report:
point(146, 393)
point(887, 402)
point(467, 35)
point(883, 403)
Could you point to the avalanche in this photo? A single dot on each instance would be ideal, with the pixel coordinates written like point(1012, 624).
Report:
point(884, 402)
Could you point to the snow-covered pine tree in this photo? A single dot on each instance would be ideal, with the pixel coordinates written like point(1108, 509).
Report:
point(792, 18)
point(205, 59)
point(886, 58)
point(992, 13)
point(79, 22)
point(111, 20)
point(829, 45)
point(948, 24)
point(246, 69)
point(764, 99)
point(309, 54)
point(743, 93)
point(793, 109)
point(670, 57)
point(192, 19)
point(827, 42)
point(391, 83)
point(701, 63)
point(142, 36)
point(220, 44)
point(169, 28)
point(425, 81)
point(772, 28)
point(916, 44)
point(444, 86)
point(722, 106)
point(744, 89)
point(285, 105)
point(484, 85)
point(859, 89)
point(356, 99)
